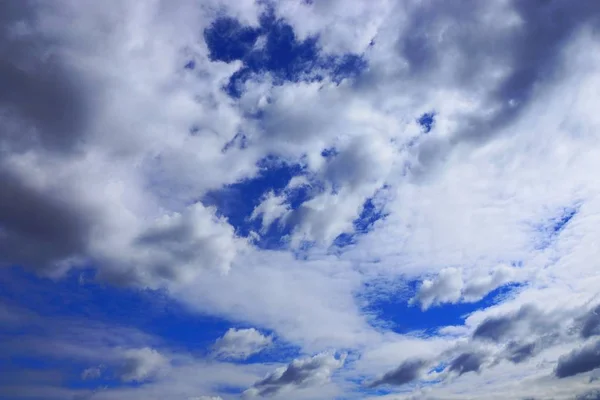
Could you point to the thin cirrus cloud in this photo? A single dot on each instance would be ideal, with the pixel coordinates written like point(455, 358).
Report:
point(171, 171)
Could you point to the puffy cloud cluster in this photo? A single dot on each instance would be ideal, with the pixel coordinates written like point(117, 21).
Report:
point(141, 364)
point(241, 343)
point(114, 131)
point(303, 372)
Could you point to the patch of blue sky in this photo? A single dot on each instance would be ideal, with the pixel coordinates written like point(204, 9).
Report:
point(148, 311)
point(371, 212)
point(427, 121)
point(273, 47)
point(237, 201)
point(397, 314)
point(550, 229)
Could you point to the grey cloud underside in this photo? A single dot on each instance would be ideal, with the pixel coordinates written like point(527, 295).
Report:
point(591, 323)
point(299, 373)
point(37, 229)
point(519, 335)
point(44, 100)
point(467, 362)
point(581, 360)
point(42, 107)
point(528, 318)
point(593, 394)
point(520, 352)
point(293, 375)
point(532, 50)
point(407, 372)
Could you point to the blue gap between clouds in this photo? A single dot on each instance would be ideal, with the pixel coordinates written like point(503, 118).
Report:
point(237, 201)
point(149, 311)
point(283, 55)
point(427, 121)
point(551, 229)
point(369, 215)
point(405, 318)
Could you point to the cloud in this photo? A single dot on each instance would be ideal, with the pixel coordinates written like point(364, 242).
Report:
point(517, 352)
point(109, 144)
point(593, 394)
point(449, 286)
point(175, 247)
point(141, 364)
point(446, 287)
point(91, 373)
point(590, 323)
point(584, 359)
point(407, 372)
point(467, 362)
point(477, 288)
point(241, 343)
point(300, 373)
point(526, 320)
point(206, 398)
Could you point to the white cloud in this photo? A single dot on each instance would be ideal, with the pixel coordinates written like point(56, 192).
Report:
point(446, 288)
point(142, 364)
point(206, 398)
point(98, 168)
point(241, 343)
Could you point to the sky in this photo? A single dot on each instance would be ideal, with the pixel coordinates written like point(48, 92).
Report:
point(299, 199)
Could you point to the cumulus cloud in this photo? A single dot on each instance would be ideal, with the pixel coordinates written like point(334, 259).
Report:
point(584, 359)
point(446, 287)
point(142, 364)
point(241, 343)
point(590, 323)
point(519, 352)
point(526, 321)
point(593, 394)
point(300, 373)
point(467, 362)
point(82, 181)
point(407, 372)
point(477, 288)
point(115, 129)
point(175, 247)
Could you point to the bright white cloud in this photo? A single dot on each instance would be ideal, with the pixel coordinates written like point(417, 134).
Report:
point(446, 288)
point(241, 343)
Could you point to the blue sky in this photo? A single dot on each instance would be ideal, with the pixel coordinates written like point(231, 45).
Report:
point(299, 200)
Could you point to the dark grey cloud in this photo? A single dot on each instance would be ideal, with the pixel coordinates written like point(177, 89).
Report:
point(44, 106)
point(467, 362)
point(35, 228)
point(593, 394)
point(494, 328)
point(460, 31)
point(43, 100)
point(527, 319)
point(407, 372)
point(590, 323)
point(518, 353)
point(299, 373)
point(579, 361)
